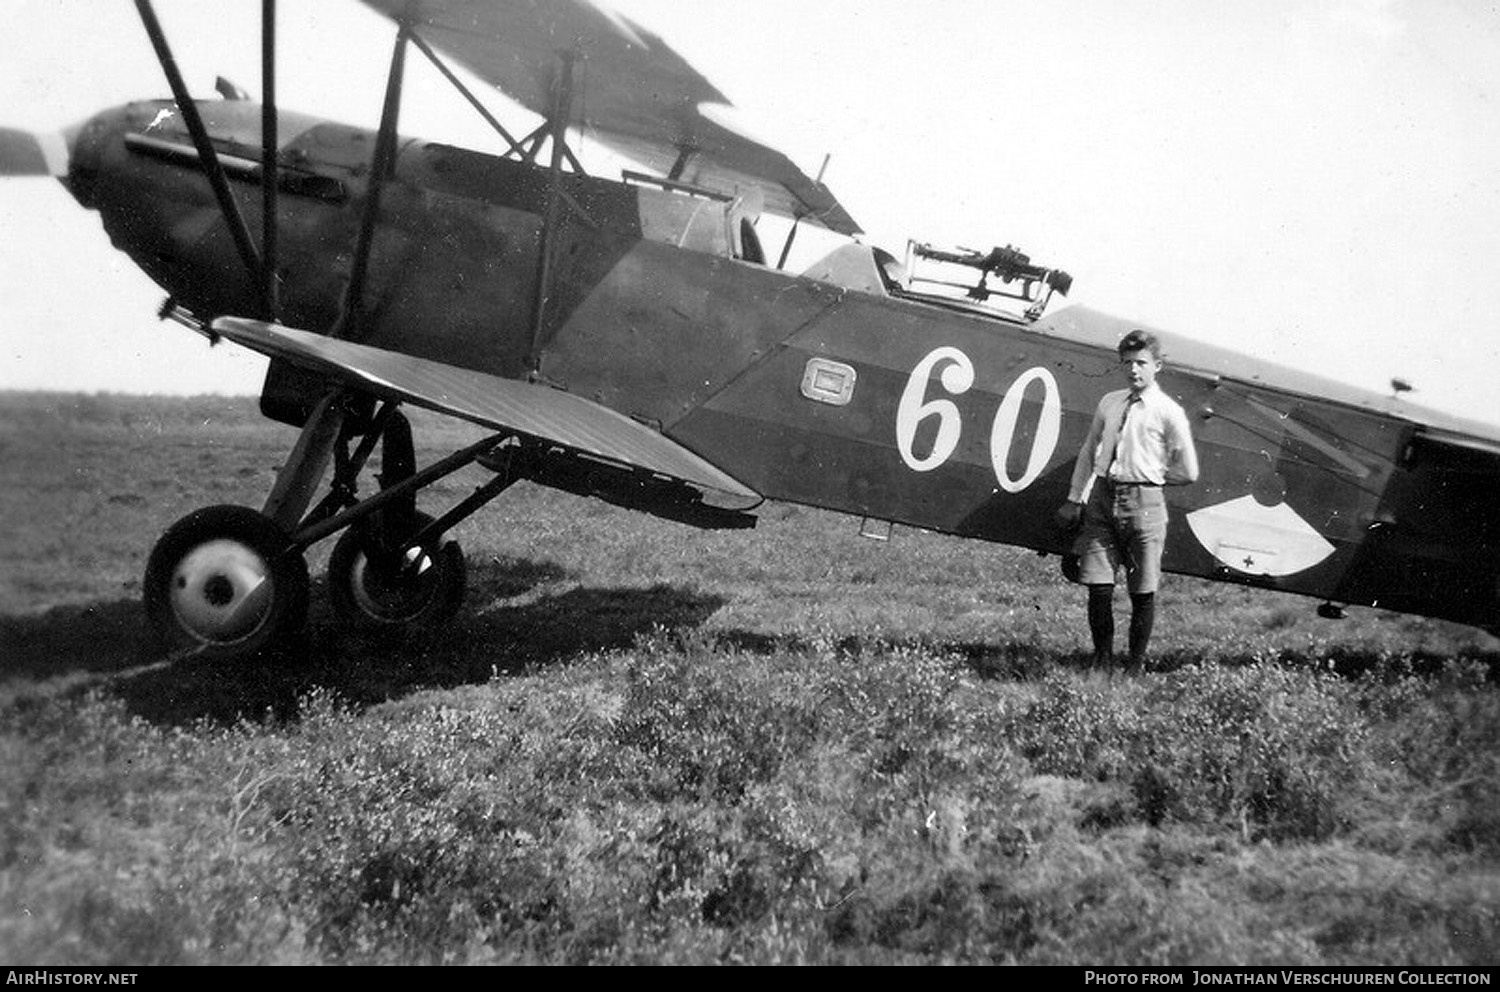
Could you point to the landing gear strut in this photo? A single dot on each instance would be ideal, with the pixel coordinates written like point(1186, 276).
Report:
point(392, 569)
point(226, 582)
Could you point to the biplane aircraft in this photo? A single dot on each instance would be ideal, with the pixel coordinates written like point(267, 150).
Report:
point(629, 337)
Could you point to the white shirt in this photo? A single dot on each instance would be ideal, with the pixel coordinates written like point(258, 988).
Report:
point(1156, 445)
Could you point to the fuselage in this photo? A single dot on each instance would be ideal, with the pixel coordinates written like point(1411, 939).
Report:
point(841, 391)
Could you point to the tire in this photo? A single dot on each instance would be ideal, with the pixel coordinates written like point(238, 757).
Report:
point(224, 583)
point(377, 592)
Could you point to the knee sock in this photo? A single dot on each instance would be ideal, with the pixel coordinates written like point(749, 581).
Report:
point(1142, 617)
point(1102, 620)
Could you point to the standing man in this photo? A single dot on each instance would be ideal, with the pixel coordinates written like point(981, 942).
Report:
point(1138, 442)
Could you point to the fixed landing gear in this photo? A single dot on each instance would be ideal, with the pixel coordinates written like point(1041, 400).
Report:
point(379, 581)
point(225, 582)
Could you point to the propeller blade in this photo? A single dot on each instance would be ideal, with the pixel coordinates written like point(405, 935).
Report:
point(24, 153)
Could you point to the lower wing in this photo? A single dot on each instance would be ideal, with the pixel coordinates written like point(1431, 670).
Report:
point(529, 409)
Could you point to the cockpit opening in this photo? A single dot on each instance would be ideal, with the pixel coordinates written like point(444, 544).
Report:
point(697, 218)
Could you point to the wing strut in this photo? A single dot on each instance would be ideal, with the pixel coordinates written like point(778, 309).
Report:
point(268, 143)
point(456, 83)
point(351, 316)
point(791, 235)
point(557, 122)
point(206, 153)
point(304, 469)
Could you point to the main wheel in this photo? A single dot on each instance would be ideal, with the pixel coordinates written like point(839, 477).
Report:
point(224, 580)
point(378, 589)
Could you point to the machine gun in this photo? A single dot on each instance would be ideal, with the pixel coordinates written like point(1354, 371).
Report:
point(1009, 265)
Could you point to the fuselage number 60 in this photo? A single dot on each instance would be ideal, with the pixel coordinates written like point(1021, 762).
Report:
point(955, 374)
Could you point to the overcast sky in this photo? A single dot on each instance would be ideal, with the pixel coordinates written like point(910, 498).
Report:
point(1316, 183)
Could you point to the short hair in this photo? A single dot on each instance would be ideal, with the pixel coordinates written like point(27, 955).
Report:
point(1139, 340)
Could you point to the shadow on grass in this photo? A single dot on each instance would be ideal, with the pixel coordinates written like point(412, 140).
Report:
point(481, 642)
point(1348, 663)
point(507, 577)
point(1024, 661)
point(68, 640)
point(365, 670)
point(521, 616)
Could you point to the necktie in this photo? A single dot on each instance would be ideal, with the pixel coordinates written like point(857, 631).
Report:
point(1130, 404)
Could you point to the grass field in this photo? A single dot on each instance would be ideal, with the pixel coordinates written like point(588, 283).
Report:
point(643, 743)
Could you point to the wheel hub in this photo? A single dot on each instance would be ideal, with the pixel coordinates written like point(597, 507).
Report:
point(389, 585)
point(221, 590)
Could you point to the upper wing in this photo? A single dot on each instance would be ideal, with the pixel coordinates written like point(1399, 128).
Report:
point(638, 96)
point(505, 404)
